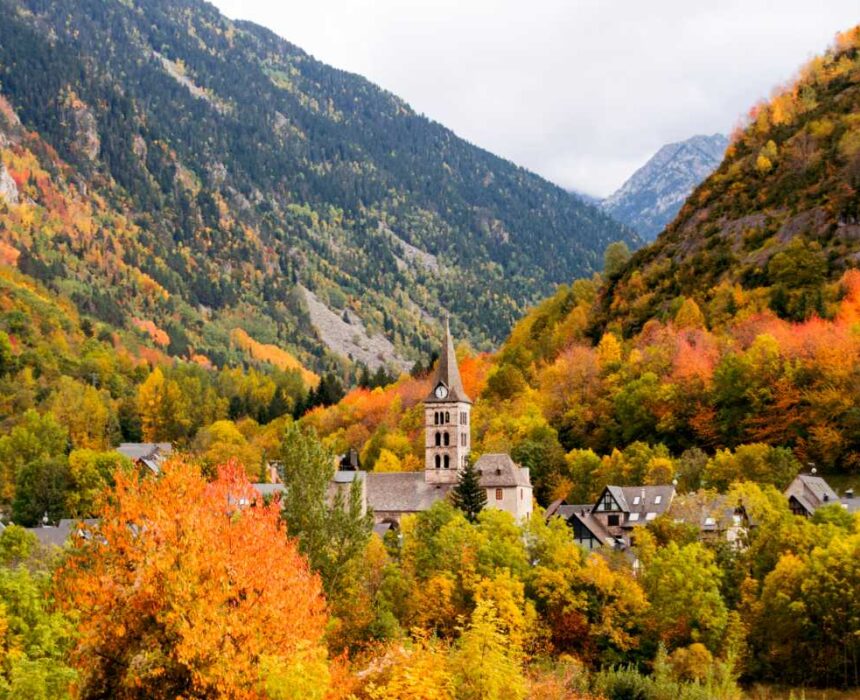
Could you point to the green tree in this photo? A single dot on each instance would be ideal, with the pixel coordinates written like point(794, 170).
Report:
point(682, 585)
point(36, 436)
point(331, 530)
point(41, 489)
point(35, 638)
point(468, 495)
point(615, 257)
point(90, 472)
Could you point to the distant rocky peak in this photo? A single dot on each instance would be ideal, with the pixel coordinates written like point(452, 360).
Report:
point(654, 194)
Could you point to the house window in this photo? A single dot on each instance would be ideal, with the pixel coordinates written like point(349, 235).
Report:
point(636, 500)
point(438, 461)
point(613, 520)
point(521, 494)
point(464, 418)
point(447, 462)
point(447, 417)
point(447, 439)
point(498, 494)
point(606, 503)
point(633, 517)
point(658, 500)
point(463, 439)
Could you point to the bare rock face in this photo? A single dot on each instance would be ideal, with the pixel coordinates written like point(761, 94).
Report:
point(345, 334)
point(85, 136)
point(8, 188)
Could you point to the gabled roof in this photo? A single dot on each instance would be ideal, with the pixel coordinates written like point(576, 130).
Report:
point(144, 450)
point(497, 470)
point(448, 373)
point(150, 454)
point(811, 491)
point(582, 514)
point(643, 500)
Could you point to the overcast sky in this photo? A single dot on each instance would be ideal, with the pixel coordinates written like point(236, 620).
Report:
point(581, 91)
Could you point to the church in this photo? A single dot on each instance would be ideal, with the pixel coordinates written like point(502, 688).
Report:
point(448, 441)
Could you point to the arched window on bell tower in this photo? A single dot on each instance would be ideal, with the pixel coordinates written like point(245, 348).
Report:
point(438, 461)
point(447, 462)
point(447, 438)
point(438, 439)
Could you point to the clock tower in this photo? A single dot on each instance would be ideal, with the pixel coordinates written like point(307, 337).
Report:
point(447, 420)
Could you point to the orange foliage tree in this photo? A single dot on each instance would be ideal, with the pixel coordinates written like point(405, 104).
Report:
point(192, 589)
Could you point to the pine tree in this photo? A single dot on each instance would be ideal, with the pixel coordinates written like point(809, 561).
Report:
point(468, 495)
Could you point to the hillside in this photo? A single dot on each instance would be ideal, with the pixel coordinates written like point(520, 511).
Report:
point(777, 223)
point(248, 186)
point(653, 195)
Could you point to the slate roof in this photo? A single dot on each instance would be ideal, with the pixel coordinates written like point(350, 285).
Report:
point(448, 373)
point(499, 470)
point(811, 492)
point(149, 453)
point(406, 492)
point(56, 536)
point(852, 505)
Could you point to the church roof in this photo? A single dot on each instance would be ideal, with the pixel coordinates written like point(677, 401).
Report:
point(498, 469)
point(406, 492)
point(448, 373)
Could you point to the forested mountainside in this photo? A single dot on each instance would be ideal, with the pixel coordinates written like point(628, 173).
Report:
point(654, 194)
point(736, 333)
point(776, 225)
point(260, 189)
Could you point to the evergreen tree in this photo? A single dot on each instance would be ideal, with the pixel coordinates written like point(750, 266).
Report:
point(468, 495)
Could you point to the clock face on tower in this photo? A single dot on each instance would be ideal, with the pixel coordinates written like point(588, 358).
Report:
point(441, 391)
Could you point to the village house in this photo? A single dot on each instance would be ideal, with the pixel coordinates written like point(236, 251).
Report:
point(809, 492)
point(147, 455)
point(612, 519)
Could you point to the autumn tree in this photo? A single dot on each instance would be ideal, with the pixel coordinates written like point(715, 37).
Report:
point(184, 589)
point(486, 665)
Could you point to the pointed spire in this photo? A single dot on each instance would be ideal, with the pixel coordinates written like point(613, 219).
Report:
point(447, 372)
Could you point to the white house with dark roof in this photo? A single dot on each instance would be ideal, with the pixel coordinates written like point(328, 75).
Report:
point(618, 510)
point(447, 444)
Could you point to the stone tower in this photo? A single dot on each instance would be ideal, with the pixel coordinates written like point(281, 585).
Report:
point(447, 419)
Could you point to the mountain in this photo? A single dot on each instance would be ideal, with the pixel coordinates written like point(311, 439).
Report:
point(776, 225)
point(236, 183)
point(653, 195)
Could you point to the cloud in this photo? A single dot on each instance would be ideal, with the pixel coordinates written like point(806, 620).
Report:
point(580, 91)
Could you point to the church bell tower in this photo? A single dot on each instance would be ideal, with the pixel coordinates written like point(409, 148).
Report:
point(447, 420)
